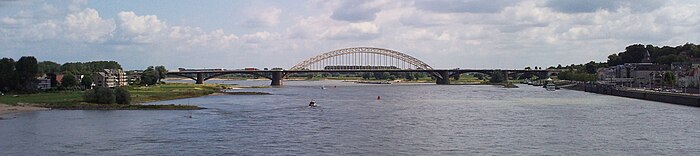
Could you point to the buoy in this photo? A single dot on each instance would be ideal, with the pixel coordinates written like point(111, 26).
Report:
point(379, 98)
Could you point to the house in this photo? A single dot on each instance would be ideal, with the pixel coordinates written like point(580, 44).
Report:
point(110, 78)
point(43, 83)
point(134, 76)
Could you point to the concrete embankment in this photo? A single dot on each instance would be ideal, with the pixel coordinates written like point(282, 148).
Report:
point(674, 98)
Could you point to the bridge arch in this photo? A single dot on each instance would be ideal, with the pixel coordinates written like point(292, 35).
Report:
point(362, 56)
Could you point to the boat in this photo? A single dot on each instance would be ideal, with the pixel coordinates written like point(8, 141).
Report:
point(549, 85)
point(312, 103)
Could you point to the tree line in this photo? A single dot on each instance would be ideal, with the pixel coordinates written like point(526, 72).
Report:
point(77, 68)
point(635, 53)
point(661, 55)
point(18, 76)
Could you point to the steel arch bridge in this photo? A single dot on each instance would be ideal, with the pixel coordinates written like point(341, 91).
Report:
point(356, 59)
point(361, 58)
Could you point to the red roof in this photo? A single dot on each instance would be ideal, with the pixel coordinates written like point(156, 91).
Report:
point(59, 77)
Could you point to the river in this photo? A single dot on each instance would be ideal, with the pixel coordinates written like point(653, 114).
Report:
point(410, 119)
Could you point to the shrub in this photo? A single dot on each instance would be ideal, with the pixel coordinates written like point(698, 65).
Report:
point(89, 96)
point(100, 95)
point(122, 95)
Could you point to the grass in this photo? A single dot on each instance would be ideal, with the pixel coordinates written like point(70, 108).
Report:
point(139, 94)
point(170, 91)
point(57, 98)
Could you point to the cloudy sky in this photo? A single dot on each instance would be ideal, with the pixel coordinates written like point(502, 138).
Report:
point(443, 33)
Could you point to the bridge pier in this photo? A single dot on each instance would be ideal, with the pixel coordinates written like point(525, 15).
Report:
point(505, 76)
point(200, 78)
point(445, 78)
point(276, 78)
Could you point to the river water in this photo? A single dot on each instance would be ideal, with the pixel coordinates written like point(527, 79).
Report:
point(418, 119)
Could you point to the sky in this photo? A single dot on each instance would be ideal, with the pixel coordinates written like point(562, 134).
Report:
point(505, 34)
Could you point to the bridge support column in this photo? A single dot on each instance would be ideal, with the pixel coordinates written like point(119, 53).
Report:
point(276, 78)
point(445, 78)
point(200, 78)
point(505, 77)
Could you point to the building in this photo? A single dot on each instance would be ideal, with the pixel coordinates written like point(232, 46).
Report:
point(43, 83)
point(643, 74)
point(110, 78)
point(134, 76)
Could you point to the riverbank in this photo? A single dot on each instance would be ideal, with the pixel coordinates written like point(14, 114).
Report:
point(673, 98)
point(8, 109)
point(72, 100)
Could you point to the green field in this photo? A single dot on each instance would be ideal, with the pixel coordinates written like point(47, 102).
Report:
point(58, 98)
point(139, 94)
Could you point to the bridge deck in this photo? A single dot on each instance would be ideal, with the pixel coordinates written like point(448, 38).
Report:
point(357, 70)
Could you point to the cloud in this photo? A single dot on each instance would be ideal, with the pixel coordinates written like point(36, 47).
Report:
point(88, 26)
point(420, 18)
point(8, 21)
point(464, 6)
point(353, 31)
point(262, 17)
point(423, 34)
point(76, 5)
point(261, 37)
point(4, 3)
point(587, 6)
point(140, 29)
point(444, 33)
point(355, 11)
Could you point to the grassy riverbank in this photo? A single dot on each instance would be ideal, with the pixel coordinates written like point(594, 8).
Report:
point(139, 94)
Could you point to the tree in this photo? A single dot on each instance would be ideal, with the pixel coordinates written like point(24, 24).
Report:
point(366, 76)
point(591, 67)
point(559, 66)
point(26, 70)
point(409, 77)
point(479, 76)
point(380, 75)
point(162, 72)
point(496, 77)
point(7, 74)
point(669, 79)
point(122, 95)
point(88, 68)
point(149, 76)
point(456, 77)
point(86, 82)
point(418, 75)
point(69, 81)
point(46, 67)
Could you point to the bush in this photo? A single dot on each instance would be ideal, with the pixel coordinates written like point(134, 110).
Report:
point(100, 95)
point(122, 95)
point(89, 96)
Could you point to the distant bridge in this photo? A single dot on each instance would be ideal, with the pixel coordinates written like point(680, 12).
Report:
point(357, 59)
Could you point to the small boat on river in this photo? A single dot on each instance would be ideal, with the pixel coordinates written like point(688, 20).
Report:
point(549, 85)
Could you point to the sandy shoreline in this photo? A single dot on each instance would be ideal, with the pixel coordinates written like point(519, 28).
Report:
point(8, 109)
